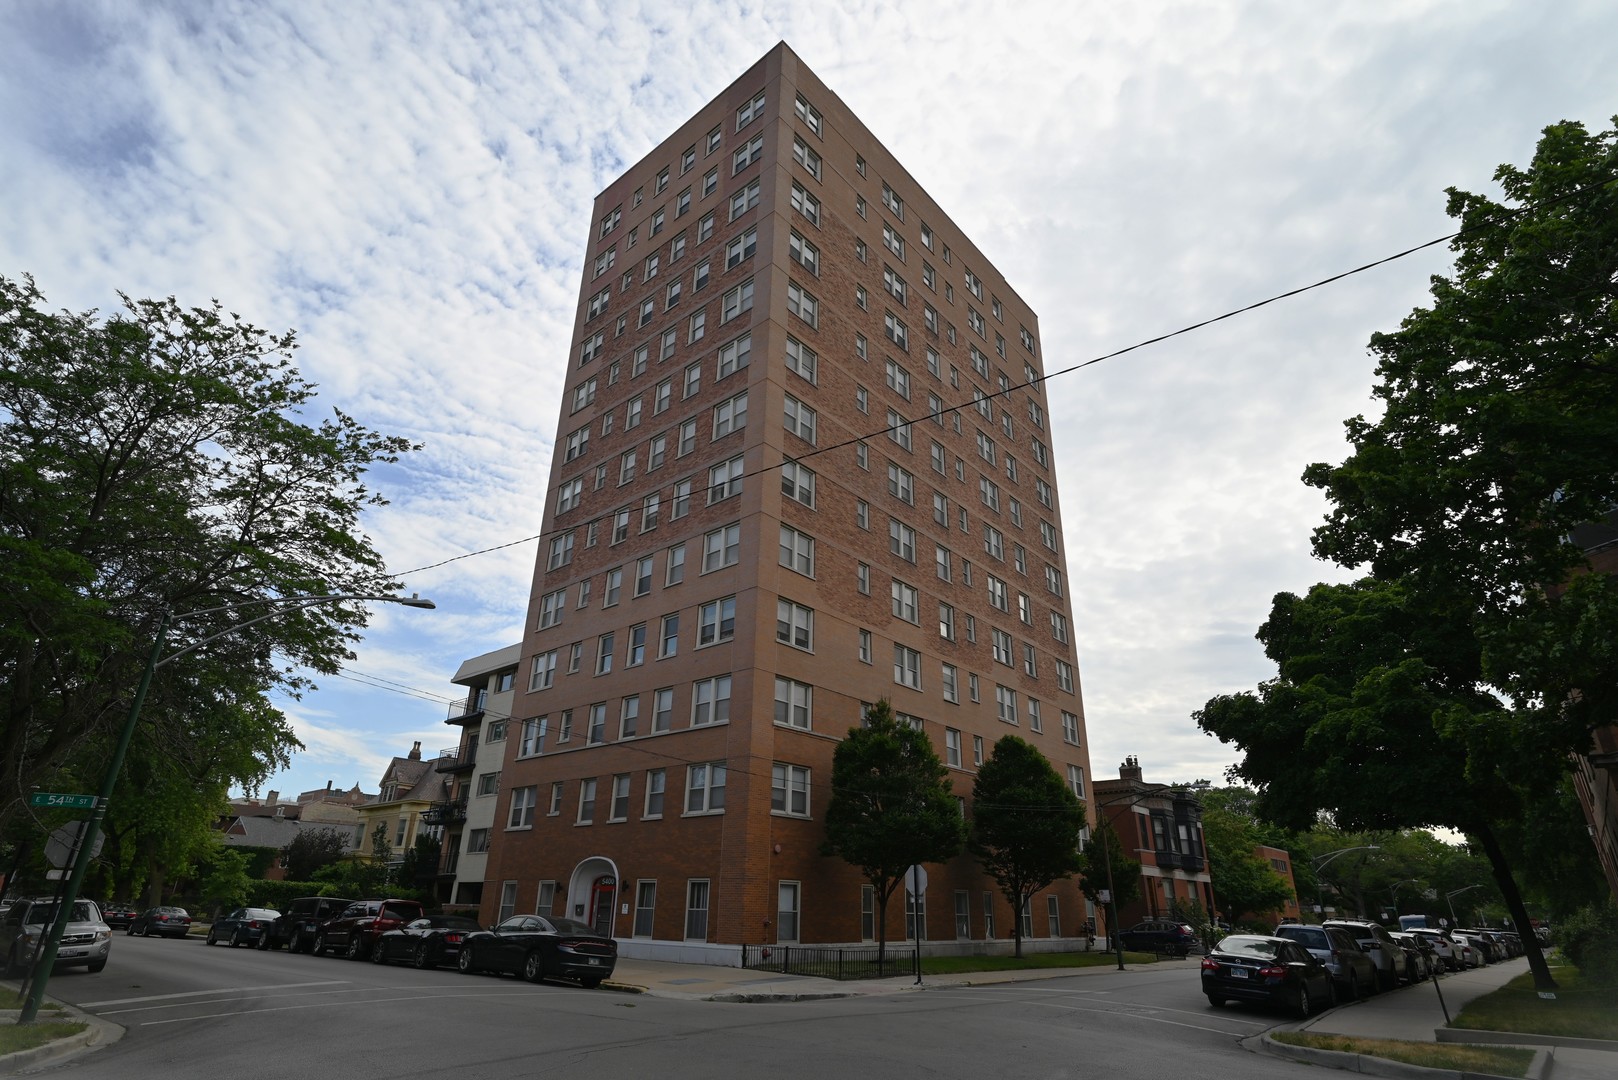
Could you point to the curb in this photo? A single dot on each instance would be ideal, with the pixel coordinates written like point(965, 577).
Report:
point(97, 1033)
point(1479, 1036)
point(1538, 1069)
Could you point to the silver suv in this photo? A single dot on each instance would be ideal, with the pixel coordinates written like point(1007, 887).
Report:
point(1352, 971)
point(1378, 944)
point(86, 943)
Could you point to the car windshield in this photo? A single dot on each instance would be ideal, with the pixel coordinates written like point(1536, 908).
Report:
point(44, 913)
point(1308, 936)
point(1250, 946)
point(568, 926)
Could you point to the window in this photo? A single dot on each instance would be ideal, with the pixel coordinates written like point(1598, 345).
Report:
point(587, 801)
point(691, 382)
point(735, 355)
point(797, 552)
point(951, 680)
point(1036, 716)
point(794, 625)
point(789, 791)
point(696, 910)
point(1002, 647)
point(998, 594)
point(577, 442)
point(648, 308)
point(674, 565)
point(802, 304)
point(604, 261)
point(736, 301)
point(942, 559)
point(1005, 703)
point(659, 220)
point(801, 359)
point(651, 506)
point(1053, 580)
point(626, 467)
point(994, 542)
point(746, 115)
point(1044, 491)
point(808, 114)
point(989, 492)
point(477, 841)
point(744, 200)
point(730, 415)
point(568, 496)
point(891, 200)
point(901, 485)
point(716, 621)
point(804, 253)
point(940, 510)
point(551, 606)
point(669, 636)
point(656, 784)
point(704, 231)
point(1075, 779)
point(793, 703)
point(898, 379)
point(907, 667)
point(800, 419)
point(865, 647)
point(952, 747)
point(746, 154)
point(720, 547)
point(895, 284)
point(488, 784)
point(862, 514)
point(705, 788)
point(725, 480)
point(805, 204)
point(710, 701)
point(610, 221)
point(556, 799)
point(1059, 626)
point(805, 156)
point(902, 540)
point(680, 503)
point(905, 602)
point(893, 241)
point(946, 621)
point(604, 647)
point(741, 248)
point(523, 800)
point(798, 482)
point(1041, 454)
point(896, 330)
point(710, 182)
point(1070, 728)
point(614, 586)
point(862, 578)
point(561, 551)
point(637, 646)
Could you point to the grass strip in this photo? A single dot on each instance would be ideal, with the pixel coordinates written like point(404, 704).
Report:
point(15, 1037)
point(955, 965)
point(1459, 1057)
point(1582, 1009)
point(11, 999)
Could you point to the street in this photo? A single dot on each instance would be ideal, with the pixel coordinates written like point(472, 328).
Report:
point(194, 1011)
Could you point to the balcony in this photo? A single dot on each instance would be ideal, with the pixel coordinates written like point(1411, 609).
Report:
point(467, 712)
point(451, 760)
point(445, 813)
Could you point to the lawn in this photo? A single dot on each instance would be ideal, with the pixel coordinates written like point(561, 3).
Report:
point(14, 1037)
point(1458, 1057)
point(955, 965)
point(1581, 1009)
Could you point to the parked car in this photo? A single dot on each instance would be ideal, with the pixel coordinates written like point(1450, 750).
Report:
point(301, 921)
point(1420, 960)
point(1378, 945)
point(243, 926)
point(1160, 935)
point(538, 947)
point(356, 927)
point(118, 916)
point(1494, 944)
point(426, 942)
point(1273, 970)
point(1449, 957)
point(1473, 952)
point(87, 941)
point(163, 921)
point(1352, 971)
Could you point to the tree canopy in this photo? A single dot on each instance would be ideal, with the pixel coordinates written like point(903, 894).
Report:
point(891, 805)
point(1026, 823)
point(160, 458)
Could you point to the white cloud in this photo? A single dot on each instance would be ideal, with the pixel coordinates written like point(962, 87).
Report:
point(409, 185)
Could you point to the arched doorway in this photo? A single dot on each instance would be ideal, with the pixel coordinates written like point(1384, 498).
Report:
point(593, 894)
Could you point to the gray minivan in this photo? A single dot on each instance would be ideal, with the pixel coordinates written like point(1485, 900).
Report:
point(1378, 945)
point(1351, 969)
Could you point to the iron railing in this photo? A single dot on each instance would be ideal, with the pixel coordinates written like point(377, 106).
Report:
point(833, 961)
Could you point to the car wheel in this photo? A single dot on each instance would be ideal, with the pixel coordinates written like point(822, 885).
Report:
point(320, 945)
point(422, 959)
point(379, 955)
point(96, 966)
point(13, 964)
point(146, 931)
point(129, 931)
point(1331, 995)
point(1301, 1005)
point(533, 967)
point(356, 947)
point(236, 939)
point(591, 983)
point(1389, 979)
point(213, 939)
point(463, 962)
point(1215, 1000)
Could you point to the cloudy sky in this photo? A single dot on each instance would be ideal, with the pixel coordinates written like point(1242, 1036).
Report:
point(409, 185)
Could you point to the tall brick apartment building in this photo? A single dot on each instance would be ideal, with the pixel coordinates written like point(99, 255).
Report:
point(803, 462)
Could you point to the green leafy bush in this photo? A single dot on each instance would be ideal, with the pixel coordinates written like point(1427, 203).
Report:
point(1589, 939)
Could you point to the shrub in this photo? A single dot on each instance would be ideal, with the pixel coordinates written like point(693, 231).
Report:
point(1589, 938)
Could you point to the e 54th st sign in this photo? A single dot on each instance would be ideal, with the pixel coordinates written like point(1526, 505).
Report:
point(55, 800)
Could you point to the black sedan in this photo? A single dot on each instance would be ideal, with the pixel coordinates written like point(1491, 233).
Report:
point(242, 926)
point(164, 921)
point(538, 947)
point(426, 942)
point(118, 916)
point(1246, 967)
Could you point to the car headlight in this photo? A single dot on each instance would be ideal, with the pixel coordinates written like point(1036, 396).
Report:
point(103, 935)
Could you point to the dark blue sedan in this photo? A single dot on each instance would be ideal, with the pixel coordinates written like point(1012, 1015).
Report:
point(1269, 970)
point(538, 947)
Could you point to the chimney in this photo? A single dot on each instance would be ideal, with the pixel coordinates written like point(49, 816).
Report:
point(415, 751)
point(275, 797)
point(1130, 769)
point(328, 785)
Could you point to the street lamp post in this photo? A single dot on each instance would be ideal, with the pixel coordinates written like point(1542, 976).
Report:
point(1394, 891)
point(1449, 898)
point(45, 957)
point(1321, 860)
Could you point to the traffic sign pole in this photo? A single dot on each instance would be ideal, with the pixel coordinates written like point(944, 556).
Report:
point(46, 958)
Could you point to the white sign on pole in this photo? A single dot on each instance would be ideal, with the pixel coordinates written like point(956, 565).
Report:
point(915, 880)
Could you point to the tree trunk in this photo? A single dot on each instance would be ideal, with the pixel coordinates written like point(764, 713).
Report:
point(1543, 980)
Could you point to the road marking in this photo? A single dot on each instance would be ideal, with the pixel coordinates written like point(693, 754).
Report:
point(205, 993)
point(315, 1005)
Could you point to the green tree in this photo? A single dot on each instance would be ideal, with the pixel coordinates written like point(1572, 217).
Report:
point(1104, 848)
point(224, 882)
point(1026, 824)
point(891, 806)
point(160, 458)
point(312, 850)
point(1246, 883)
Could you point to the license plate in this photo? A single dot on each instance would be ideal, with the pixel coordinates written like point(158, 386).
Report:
point(71, 952)
point(1239, 973)
point(595, 960)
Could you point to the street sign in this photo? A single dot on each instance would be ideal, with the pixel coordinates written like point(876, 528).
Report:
point(916, 880)
point(64, 842)
point(56, 800)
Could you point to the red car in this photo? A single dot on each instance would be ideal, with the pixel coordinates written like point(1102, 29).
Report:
point(164, 921)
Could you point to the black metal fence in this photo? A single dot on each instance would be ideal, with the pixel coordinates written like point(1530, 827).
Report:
point(833, 961)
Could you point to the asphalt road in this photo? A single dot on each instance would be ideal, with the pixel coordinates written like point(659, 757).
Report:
point(194, 1011)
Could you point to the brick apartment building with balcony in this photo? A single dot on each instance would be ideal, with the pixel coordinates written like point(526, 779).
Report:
point(803, 462)
point(1160, 827)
